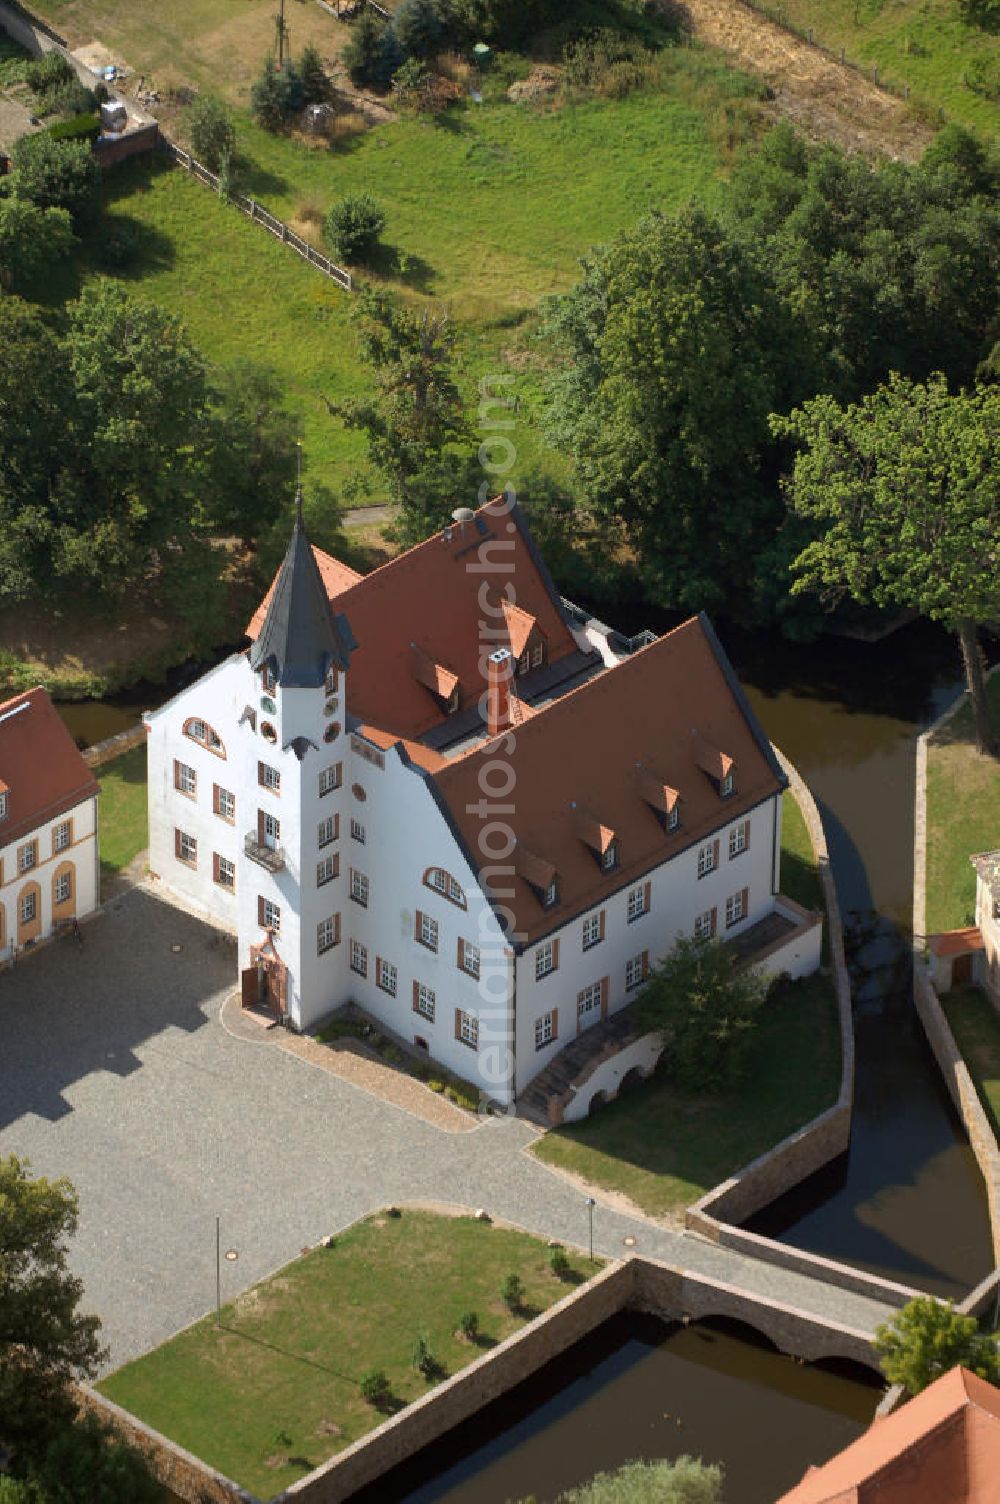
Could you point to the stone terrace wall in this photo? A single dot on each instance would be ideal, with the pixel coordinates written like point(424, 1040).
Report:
point(963, 1091)
point(114, 746)
point(186, 1476)
point(825, 1137)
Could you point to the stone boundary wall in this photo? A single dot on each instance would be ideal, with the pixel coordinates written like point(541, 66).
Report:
point(962, 1090)
point(816, 1143)
point(114, 746)
point(187, 1476)
point(638, 1284)
point(979, 1300)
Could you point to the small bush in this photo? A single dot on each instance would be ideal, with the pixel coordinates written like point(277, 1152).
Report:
point(353, 227)
point(424, 1360)
point(315, 84)
point(80, 128)
point(49, 72)
point(468, 1325)
point(213, 135)
point(512, 1292)
point(276, 95)
point(372, 52)
point(374, 1387)
point(435, 1085)
point(559, 1263)
point(69, 99)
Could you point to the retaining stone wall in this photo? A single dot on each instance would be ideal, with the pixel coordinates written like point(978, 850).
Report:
point(963, 1091)
point(817, 1142)
point(114, 746)
point(186, 1476)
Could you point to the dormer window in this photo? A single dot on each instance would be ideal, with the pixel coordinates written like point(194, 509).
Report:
point(727, 785)
point(609, 858)
point(268, 679)
point(330, 684)
point(3, 806)
point(674, 819)
point(551, 895)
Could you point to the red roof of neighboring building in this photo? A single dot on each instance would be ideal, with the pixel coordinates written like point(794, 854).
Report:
point(942, 1447)
point(435, 598)
point(956, 942)
point(577, 773)
point(41, 769)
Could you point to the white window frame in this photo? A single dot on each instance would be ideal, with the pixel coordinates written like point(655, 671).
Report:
point(468, 1029)
point(227, 804)
point(727, 785)
point(545, 960)
point(326, 935)
point(3, 805)
point(735, 910)
point(325, 831)
point(63, 888)
point(471, 959)
point(537, 654)
point(738, 840)
point(634, 975)
point(703, 926)
point(386, 976)
point(62, 836)
point(609, 858)
point(427, 934)
point(591, 931)
point(588, 999)
point(31, 898)
point(187, 848)
point(360, 888)
point(187, 780)
point(357, 831)
point(551, 895)
point(359, 958)
point(636, 903)
point(27, 857)
point(674, 818)
point(425, 1001)
point(706, 859)
point(272, 916)
point(329, 779)
point(543, 1031)
point(270, 778)
point(325, 871)
point(230, 886)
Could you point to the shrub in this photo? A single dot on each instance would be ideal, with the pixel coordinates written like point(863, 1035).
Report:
point(49, 72)
point(512, 1292)
point(80, 128)
point(213, 135)
point(353, 226)
point(982, 76)
point(468, 1325)
point(424, 1360)
point(410, 82)
point(315, 84)
point(71, 98)
point(418, 27)
point(925, 1339)
point(57, 175)
point(374, 1387)
point(276, 95)
point(372, 52)
point(559, 1263)
point(86, 1460)
point(982, 13)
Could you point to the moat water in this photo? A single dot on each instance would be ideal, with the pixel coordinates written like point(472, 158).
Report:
point(639, 1387)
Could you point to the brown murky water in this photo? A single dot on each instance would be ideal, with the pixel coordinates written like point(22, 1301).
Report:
point(638, 1387)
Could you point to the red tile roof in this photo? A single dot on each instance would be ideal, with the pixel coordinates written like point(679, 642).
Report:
point(437, 596)
point(956, 942)
point(943, 1447)
point(40, 766)
point(586, 752)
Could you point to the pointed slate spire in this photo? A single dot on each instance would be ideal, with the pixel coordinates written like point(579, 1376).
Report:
point(301, 637)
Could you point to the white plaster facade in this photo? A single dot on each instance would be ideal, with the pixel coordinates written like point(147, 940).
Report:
point(988, 922)
point(61, 883)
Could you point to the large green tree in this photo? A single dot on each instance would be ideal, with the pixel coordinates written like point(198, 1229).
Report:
point(254, 448)
point(57, 175)
point(927, 1338)
point(686, 1481)
point(45, 1341)
point(672, 351)
point(706, 1006)
point(418, 437)
point(32, 241)
point(906, 485)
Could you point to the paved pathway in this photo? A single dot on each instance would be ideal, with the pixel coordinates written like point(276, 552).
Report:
point(115, 1070)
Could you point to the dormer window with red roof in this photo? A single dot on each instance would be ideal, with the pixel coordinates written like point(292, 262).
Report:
point(718, 766)
point(3, 804)
point(551, 895)
point(609, 858)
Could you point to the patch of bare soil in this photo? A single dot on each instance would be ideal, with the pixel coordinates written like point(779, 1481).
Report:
point(542, 80)
point(823, 98)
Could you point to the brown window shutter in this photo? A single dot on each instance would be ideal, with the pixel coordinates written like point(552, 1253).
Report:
point(745, 904)
point(177, 774)
point(555, 1023)
point(605, 989)
point(177, 842)
point(601, 925)
point(416, 994)
point(336, 827)
point(260, 826)
point(215, 866)
point(647, 897)
point(458, 1023)
point(461, 954)
point(336, 864)
point(715, 920)
point(555, 954)
point(260, 909)
point(215, 798)
point(645, 963)
point(417, 918)
point(746, 835)
point(715, 852)
point(336, 929)
point(260, 773)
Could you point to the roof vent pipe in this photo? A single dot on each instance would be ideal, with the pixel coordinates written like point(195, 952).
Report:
point(462, 515)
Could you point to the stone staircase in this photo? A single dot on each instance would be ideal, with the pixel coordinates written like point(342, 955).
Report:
point(544, 1101)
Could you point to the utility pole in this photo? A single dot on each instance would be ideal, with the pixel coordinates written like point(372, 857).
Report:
point(282, 32)
point(218, 1274)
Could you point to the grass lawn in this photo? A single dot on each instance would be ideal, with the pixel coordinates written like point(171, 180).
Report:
point(963, 815)
point(976, 1027)
point(122, 810)
point(799, 877)
point(664, 1147)
point(274, 1392)
point(920, 43)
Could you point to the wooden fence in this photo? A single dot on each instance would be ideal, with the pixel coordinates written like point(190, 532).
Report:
point(258, 215)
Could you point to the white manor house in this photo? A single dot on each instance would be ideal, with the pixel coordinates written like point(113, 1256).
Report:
point(443, 793)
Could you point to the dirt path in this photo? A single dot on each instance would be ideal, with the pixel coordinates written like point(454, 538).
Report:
point(825, 100)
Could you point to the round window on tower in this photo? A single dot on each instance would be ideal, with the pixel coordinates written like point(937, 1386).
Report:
point(358, 793)
point(268, 732)
point(330, 708)
point(332, 732)
point(268, 706)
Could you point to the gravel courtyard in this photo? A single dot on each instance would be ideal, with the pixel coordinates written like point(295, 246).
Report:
point(115, 1071)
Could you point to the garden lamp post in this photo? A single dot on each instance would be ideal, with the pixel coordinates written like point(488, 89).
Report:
point(590, 1204)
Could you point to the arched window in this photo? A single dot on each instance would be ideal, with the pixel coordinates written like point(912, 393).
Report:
point(64, 891)
point(201, 732)
point(442, 882)
point(29, 913)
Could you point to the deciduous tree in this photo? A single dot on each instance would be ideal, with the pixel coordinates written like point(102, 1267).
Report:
point(927, 1338)
point(57, 175)
point(32, 240)
point(213, 134)
point(706, 1006)
point(906, 484)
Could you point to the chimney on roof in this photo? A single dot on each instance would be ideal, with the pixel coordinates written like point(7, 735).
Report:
point(500, 674)
point(460, 516)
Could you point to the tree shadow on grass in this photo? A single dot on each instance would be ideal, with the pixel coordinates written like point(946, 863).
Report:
point(390, 262)
point(123, 246)
point(255, 181)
